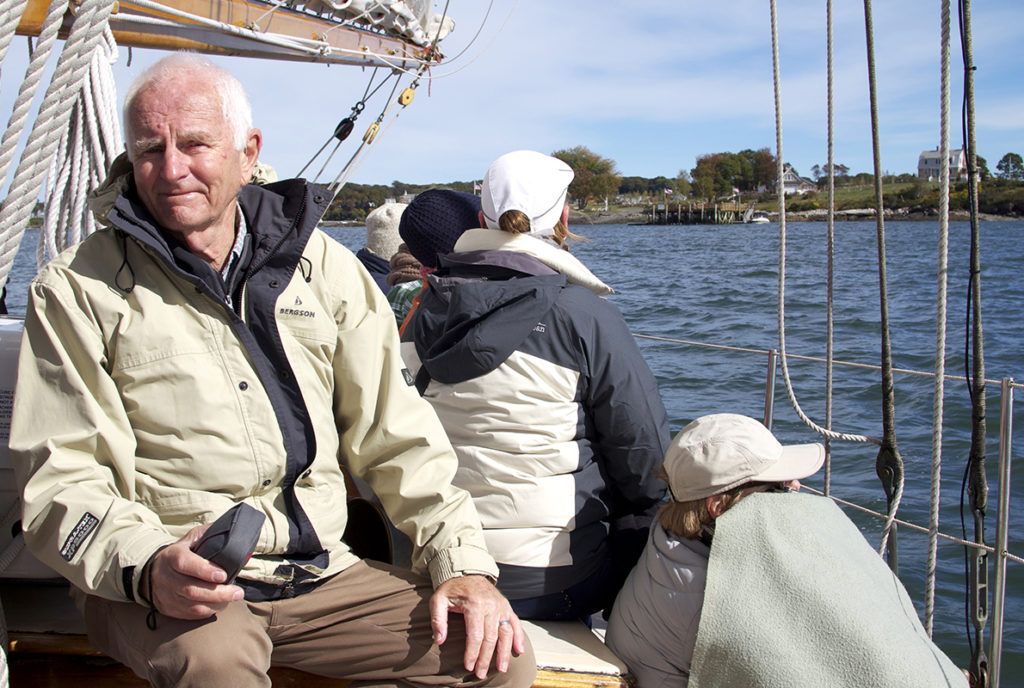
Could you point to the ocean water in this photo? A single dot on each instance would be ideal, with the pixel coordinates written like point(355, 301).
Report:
point(719, 285)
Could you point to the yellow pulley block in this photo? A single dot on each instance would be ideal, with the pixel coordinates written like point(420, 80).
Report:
point(406, 97)
point(371, 132)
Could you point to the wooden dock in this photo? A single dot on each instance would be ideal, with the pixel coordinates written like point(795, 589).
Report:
point(695, 213)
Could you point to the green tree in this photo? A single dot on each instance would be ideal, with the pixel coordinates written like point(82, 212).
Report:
point(717, 174)
point(1011, 166)
point(983, 172)
point(762, 169)
point(595, 177)
point(682, 183)
point(704, 176)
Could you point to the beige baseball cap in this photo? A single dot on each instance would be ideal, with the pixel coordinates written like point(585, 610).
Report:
point(721, 451)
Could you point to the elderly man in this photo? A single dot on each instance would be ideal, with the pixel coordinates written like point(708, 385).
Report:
point(213, 347)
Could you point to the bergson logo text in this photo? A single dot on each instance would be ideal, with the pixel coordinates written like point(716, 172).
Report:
point(294, 311)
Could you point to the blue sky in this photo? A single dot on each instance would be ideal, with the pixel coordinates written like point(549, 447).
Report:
point(651, 85)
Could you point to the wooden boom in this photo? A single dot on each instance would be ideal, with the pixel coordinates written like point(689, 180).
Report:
point(250, 28)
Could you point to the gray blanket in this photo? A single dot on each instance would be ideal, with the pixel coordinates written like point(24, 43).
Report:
point(797, 597)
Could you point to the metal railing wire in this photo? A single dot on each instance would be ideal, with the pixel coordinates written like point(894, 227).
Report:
point(1001, 549)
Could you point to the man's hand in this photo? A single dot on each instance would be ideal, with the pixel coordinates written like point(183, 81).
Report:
point(183, 585)
point(490, 622)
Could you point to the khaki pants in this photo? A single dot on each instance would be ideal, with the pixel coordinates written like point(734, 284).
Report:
point(370, 623)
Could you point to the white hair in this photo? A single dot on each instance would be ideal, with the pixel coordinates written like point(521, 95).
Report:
point(234, 102)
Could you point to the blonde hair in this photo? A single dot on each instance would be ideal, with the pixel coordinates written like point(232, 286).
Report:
point(687, 519)
point(518, 222)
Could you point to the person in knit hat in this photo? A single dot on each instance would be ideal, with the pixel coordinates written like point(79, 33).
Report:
point(382, 242)
point(435, 220)
point(545, 396)
point(429, 228)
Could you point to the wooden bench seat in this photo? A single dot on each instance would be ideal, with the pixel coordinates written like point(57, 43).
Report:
point(48, 647)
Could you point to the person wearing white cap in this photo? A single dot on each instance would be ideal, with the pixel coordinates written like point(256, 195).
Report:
point(741, 587)
point(554, 415)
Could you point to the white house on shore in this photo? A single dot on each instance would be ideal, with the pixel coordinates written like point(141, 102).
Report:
point(929, 164)
point(793, 183)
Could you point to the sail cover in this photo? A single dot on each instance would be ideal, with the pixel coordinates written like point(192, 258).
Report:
point(411, 19)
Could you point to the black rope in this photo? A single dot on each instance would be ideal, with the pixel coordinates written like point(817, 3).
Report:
point(888, 463)
point(124, 264)
point(347, 124)
point(974, 485)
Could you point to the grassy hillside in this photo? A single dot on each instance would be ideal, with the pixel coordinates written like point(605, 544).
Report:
point(997, 197)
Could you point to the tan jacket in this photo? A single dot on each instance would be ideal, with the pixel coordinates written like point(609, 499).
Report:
point(145, 406)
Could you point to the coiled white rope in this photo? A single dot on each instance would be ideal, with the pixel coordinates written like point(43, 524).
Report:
point(84, 154)
point(29, 85)
point(54, 113)
point(940, 325)
point(10, 15)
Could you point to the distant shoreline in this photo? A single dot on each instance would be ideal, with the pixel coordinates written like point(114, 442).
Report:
point(632, 216)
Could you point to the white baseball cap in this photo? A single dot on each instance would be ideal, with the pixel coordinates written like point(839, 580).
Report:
point(721, 451)
point(528, 181)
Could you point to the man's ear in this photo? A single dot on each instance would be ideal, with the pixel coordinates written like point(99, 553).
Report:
point(483, 221)
point(251, 153)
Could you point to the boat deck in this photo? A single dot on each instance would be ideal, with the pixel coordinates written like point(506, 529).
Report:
point(48, 647)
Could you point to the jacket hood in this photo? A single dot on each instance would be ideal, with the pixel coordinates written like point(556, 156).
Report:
point(487, 298)
point(478, 310)
point(670, 559)
point(542, 250)
point(281, 217)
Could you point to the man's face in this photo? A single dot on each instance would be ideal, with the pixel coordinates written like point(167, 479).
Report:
point(187, 170)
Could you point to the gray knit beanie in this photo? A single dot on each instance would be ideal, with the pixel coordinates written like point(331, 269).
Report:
point(382, 229)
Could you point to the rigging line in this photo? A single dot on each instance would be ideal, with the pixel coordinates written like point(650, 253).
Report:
point(316, 155)
point(969, 627)
point(479, 30)
point(976, 372)
point(940, 323)
point(357, 109)
point(346, 172)
point(977, 487)
point(812, 359)
point(440, 25)
point(830, 228)
point(364, 143)
point(480, 54)
point(434, 77)
point(911, 526)
point(780, 190)
point(274, 7)
point(352, 165)
point(888, 464)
